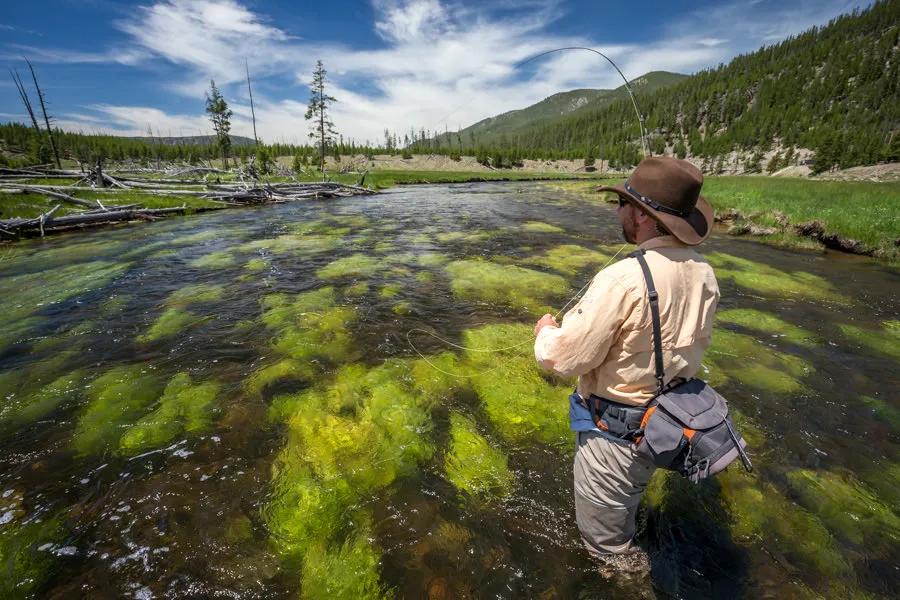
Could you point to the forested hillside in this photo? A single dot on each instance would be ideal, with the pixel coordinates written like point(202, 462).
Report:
point(832, 89)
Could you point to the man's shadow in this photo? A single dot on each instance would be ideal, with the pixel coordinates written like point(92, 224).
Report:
point(683, 527)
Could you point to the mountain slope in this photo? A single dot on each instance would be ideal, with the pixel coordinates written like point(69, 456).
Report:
point(491, 130)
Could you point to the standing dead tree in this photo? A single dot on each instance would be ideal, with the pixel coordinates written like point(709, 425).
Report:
point(252, 112)
point(40, 95)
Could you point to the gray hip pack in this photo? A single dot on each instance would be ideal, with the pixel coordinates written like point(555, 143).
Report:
point(686, 426)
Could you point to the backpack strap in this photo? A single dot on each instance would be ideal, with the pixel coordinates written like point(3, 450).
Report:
point(654, 314)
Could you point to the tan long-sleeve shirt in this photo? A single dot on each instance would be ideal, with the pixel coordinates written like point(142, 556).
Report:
point(607, 338)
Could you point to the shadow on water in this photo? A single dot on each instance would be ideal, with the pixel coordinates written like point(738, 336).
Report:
point(176, 418)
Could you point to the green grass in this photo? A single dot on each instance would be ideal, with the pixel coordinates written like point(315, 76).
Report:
point(28, 206)
point(864, 211)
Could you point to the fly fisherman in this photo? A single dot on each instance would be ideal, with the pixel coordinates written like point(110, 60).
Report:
point(607, 341)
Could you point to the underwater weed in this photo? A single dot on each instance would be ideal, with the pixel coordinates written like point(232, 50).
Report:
point(116, 398)
point(472, 465)
point(768, 324)
point(521, 404)
point(541, 227)
point(214, 260)
point(23, 567)
point(37, 405)
point(752, 363)
point(171, 322)
point(886, 341)
point(355, 265)
point(198, 293)
point(504, 284)
point(769, 281)
point(183, 408)
point(569, 259)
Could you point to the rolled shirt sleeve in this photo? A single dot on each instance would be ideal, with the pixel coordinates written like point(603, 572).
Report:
point(588, 331)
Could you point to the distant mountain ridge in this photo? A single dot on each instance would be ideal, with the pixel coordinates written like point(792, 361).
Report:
point(191, 140)
point(489, 131)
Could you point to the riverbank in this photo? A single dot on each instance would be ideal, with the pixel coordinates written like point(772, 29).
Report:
point(859, 217)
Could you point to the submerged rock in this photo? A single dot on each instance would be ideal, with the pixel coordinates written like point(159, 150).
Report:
point(183, 408)
point(513, 286)
point(473, 465)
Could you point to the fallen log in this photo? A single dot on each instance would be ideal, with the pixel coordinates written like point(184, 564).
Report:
point(57, 194)
point(18, 226)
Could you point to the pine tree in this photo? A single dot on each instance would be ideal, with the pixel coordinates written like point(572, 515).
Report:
point(220, 117)
point(323, 130)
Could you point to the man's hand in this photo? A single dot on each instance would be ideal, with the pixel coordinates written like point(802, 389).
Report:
point(545, 321)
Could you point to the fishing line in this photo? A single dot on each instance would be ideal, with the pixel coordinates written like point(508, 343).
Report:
point(640, 117)
point(493, 350)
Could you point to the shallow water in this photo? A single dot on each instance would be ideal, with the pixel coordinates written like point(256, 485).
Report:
point(228, 405)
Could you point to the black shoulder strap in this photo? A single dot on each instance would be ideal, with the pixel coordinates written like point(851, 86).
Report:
point(654, 313)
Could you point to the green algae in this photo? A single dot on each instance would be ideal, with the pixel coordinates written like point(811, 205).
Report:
point(310, 325)
point(504, 284)
point(431, 259)
point(256, 264)
point(402, 308)
point(29, 292)
point(883, 411)
point(885, 341)
point(848, 508)
point(284, 370)
point(183, 408)
point(466, 237)
point(424, 277)
point(473, 465)
point(11, 333)
point(350, 570)
point(355, 265)
point(758, 510)
point(541, 227)
point(214, 260)
point(391, 290)
point(24, 566)
point(294, 244)
point(346, 440)
point(37, 405)
point(521, 404)
point(739, 357)
point(198, 293)
point(357, 289)
point(769, 281)
point(569, 259)
point(116, 399)
point(169, 323)
point(768, 324)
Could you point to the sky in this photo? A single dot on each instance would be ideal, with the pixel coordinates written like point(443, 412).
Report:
point(127, 67)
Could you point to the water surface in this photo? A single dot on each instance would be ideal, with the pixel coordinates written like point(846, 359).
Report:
point(228, 405)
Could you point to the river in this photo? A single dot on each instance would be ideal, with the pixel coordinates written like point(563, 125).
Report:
point(338, 399)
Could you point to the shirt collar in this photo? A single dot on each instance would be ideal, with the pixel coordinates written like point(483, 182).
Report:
point(663, 241)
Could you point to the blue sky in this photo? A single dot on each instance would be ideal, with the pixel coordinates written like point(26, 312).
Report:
point(124, 67)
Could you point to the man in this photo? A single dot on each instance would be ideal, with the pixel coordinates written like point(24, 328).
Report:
point(607, 341)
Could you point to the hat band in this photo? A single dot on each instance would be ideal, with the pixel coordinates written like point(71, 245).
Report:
point(655, 205)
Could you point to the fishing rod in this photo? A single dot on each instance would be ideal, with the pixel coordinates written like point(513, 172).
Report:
point(645, 146)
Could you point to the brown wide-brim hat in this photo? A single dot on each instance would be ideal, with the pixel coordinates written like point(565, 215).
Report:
point(668, 189)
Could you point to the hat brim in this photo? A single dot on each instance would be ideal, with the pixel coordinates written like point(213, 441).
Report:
point(691, 230)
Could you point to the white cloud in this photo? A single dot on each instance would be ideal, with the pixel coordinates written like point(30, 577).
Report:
point(440, 64)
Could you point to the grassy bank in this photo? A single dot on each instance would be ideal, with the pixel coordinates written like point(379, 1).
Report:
point(28, 206)
point(774, 209)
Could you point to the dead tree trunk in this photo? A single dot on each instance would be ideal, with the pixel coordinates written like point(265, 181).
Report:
point(46, 117)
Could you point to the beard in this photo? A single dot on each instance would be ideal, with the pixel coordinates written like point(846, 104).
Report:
point(628, 233)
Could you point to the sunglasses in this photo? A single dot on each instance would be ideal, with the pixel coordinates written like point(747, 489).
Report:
point(622, 201)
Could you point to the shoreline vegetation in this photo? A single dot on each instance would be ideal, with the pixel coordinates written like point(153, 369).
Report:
point(857, 217)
